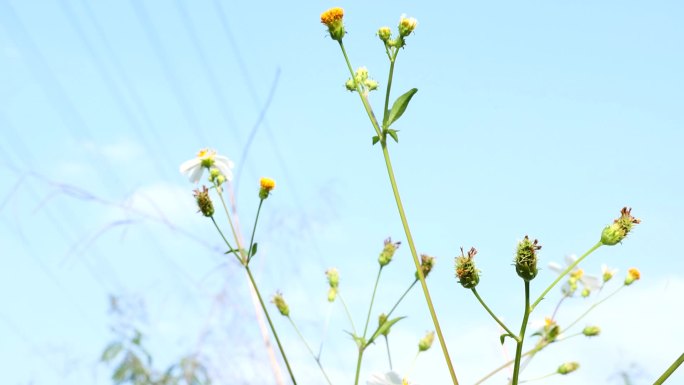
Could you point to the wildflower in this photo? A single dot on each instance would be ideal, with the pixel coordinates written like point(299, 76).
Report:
point(526, 259)
point(591, 331)
point(633, 274)
point(607, 273)
point(280, 303)
point(207, 158)
point(616, 232)
point(407, 25)
point(206, 207)
point(568, 367)
point(426, 342)
point(265, 187)
point(550, 331)
point(589, 282)
point(332, 18)
point(426, 264)
point(388, 252)
point(361, 80)
point(468, 276)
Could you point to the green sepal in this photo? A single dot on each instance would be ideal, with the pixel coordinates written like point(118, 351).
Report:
point(393, 134)
point(376, 139)
point(384, 327)
point(399, 107)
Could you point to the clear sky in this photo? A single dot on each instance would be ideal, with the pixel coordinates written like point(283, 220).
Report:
point(540, 118)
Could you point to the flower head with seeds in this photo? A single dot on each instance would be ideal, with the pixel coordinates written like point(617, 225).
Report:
point(388, 252)
point(209, 159)
point(618, 230)
point(206, 207)
point(468, 276)
point(526, 259)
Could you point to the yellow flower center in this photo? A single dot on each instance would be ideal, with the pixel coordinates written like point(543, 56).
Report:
point(332, 15)
point(634, 273)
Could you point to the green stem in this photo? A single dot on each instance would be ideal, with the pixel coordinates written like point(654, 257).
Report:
point(358, 365)
point(364, 100)
point(389, 356)
point(416, 261)
point(318, 361)
point(224, 238)
point(670, 370)
point(521, 336)
point(592, 307)
point(230, 221)
point(493, 315)
point(251, 241)
point(375, 288)
point(507, 364)
point(389, 87)
point(401, 298)
point(564, 273)
point(270, 323)
point(346, 310)
point(540, 378)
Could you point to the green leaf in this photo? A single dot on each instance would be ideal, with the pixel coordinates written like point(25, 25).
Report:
point(111, 351)
point(376, 139)
point(253, 251)
point(503, 337)
point(399, 106)
point(393, 134)
point(388, 324)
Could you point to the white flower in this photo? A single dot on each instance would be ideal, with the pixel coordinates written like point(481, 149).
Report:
point(206, 158)
point(588, 281)
point(389, 378)
point(607, 273)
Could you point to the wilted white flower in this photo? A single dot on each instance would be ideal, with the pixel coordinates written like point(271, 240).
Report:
point(207, 158)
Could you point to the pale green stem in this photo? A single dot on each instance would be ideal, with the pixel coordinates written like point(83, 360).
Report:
point(493, 315)
point(251, 241)
point(393, 308)
point(358, 364)
point(400, 208)
point(389, 87)
point(346, 310)
point(416, 261)
point(670, 370)
point(224, 239)
point(270, 323)
point(232, 228)
point(540, 378)
point(564, 273)
point(370, 308)
point(318, 361)
point(325, 329)
point(521, 336)
point(592, 307)
point(389, 355)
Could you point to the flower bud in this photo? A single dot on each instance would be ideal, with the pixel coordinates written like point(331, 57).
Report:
point(350, 85)
point(468, 276)
point(616, 232)
point(266, 185)
point(280, 303)
point(333, 280)
point(332, 18)
point(381, 321)
point(407, 25)
point(332, 294)
point(384, 33)
point(551, 330)
point(206, 207)
point(426, 264)
point(607, 273)
point(388, 252)
point(568, 367)
point(426, 342)
point(526, 259)
point(591, 331)
point(633, 274)
point(585, 292)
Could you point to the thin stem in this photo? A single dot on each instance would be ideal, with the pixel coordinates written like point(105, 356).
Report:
point(358, 364)
point(566, 271)
point(416, 261)
point(325, 329)
point(389, 356)
point(318, 361)
point(230, 221)
point(375, 288)
point(521, 336)
point(670, 370)
point(270, 323)
point(385, 112)
point(346, 310)
point(592, 307)
point(555, 311)
point(364, 100)
point(507, 364)
point(493, 315)
point(540, 378)
point(224, 237)
point(401, 298)
point(251, 240)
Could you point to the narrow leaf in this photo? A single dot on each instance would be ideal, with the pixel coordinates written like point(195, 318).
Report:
point(376, 139)
point(388, 324)
point(253, 251)
point(111, 351)
point(399, 106)
point(393, 134)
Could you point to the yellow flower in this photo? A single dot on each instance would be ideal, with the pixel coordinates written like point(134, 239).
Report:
point(266, 185)
point(332, 19)
point(633, 274)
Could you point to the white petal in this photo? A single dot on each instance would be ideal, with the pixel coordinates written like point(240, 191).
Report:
point(591, 282)
point(224, 165)
point(196, 174)
point(189, 164)
point(555, 267)
point(570, 259)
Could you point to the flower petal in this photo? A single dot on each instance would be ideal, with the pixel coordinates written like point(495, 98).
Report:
point(186, 166)
point(196, 174)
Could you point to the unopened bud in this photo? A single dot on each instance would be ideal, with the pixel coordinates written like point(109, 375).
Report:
point(426, 264)
point(384, 33)
point(426, 342)
point(407, 25)
point(388, 252)
point(591, 331)
point(568, 367)
point(381, 321)
point(280, 303)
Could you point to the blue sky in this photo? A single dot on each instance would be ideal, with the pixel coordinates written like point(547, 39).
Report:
point(539, 118)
